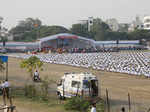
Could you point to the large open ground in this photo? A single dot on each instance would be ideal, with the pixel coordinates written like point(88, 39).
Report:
point(118, 85)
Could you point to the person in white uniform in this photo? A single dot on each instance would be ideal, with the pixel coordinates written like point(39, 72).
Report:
point(6, 87)
point(93, 109)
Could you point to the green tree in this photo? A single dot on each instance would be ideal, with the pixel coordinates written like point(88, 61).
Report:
point(31, 64)
point(77, 104)
point(139, 34)
point(117, 36)
point(123, 27)
point(52, 30)
point(80, 29)
point(2, 68)
point(26, 29)
point(30, 30)
point(99, 29)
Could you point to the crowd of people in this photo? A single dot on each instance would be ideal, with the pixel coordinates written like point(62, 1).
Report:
point(89, 50)
point(130, 62)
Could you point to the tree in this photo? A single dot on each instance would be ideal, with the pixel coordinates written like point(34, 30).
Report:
point(139, 34)
point(32, 29)
point(24, 28)
point(80, 29)
point(123, 27)
point(31, 64)
point(52, 30)
point(111, 35)
point(2, 68)
point(99, 29)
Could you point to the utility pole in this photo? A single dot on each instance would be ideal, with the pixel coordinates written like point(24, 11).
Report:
point(107, 101)
point(129, 102)
point(90, 23)
point(1, 19)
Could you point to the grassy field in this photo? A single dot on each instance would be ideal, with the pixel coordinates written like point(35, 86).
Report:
point(117, 84)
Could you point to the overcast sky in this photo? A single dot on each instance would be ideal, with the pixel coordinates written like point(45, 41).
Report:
point(68, 12)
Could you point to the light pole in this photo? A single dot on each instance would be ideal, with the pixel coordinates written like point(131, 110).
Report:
point(1, 19)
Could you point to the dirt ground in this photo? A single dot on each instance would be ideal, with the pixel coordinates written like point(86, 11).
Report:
point(118, 85)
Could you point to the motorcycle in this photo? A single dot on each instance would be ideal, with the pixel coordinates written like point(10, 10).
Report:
point(36, 79)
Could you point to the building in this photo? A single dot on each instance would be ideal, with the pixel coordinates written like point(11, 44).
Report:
point(89, 22)
point(136, 24)
point(146, 22)
point(65, 40)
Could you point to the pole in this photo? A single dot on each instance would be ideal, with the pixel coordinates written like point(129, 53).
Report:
point(129, 102)
point(99, 89)
point(4, 96)
point(90, 89)
point(7, 70)
point(77, 90)
point(107, 101)
point(63, 90)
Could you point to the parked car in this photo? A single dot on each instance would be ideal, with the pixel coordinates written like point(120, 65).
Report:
point(3, 51)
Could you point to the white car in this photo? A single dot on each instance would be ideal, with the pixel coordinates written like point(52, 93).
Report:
point(3, 51)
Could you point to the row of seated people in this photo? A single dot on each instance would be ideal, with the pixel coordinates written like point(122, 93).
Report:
point(130, 62)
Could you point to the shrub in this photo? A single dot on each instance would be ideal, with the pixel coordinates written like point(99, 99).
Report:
point(30, 91)
point(44, 89)
point(77, 103)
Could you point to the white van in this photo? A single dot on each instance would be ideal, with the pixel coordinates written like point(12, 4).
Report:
point(77, 84)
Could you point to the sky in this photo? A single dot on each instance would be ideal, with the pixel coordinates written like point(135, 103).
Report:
point(68, 12)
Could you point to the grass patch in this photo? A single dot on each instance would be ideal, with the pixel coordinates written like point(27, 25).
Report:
point(52, 104)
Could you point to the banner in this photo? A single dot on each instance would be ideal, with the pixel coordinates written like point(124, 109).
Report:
point(4, 58)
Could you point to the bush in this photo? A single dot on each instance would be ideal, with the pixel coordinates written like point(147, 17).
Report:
point(30, 91)
point(44, 89)
point(77, 103)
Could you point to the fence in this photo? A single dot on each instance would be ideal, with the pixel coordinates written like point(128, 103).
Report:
point(130, 104)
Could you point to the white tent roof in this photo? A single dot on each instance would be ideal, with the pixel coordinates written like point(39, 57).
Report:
point(52, 37)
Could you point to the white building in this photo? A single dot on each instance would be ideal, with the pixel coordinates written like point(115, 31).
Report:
point(146, 22)
point(137, 23)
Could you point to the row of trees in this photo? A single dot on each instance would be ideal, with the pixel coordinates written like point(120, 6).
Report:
point(30, 29)
point(101, 31)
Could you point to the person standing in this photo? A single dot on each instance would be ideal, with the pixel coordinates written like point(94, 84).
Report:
point(7, 87)
point(93, 109)
point(122, 109)
point(1, 88)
